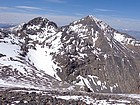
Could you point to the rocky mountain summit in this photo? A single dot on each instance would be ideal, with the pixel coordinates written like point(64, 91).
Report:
point(86, 55)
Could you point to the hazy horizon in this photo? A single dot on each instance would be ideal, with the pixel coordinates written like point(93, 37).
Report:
point(120, 14)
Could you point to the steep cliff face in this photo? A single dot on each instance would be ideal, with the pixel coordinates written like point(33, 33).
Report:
point(87, 53)
point(99, 57)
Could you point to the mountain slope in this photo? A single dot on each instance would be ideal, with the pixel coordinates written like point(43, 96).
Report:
point(25, 59)
point(87, 54)
point(99, 57)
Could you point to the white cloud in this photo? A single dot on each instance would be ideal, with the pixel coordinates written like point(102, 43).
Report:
point(4, 8)
point(79, 14)
point(22, 17)
point(28, 7)
point(15, 17)
point(62, 20)
point(113, 21)
point(103, 10)
point(121, 23)
point(51, 11)
point(56, 1)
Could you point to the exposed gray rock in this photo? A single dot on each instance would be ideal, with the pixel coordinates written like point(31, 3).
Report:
point(86, 53)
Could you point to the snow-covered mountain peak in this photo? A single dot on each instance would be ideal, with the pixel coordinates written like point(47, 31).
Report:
point(88, 20)
point(87, 48)
point(89, 23)
point(38, 25)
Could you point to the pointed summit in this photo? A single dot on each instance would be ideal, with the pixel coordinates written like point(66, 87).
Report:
point(87, 21)
point(90, 23)
point(92, 18)
point(89, 17)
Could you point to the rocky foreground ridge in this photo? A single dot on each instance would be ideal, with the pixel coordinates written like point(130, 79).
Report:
point(23, 96)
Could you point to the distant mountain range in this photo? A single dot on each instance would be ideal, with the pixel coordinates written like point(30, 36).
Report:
point(4, 25)
point(135, 34)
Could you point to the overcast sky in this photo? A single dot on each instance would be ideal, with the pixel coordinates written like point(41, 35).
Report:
point(120, 14)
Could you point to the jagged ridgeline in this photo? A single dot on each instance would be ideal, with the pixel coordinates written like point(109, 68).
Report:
point(88, 54)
